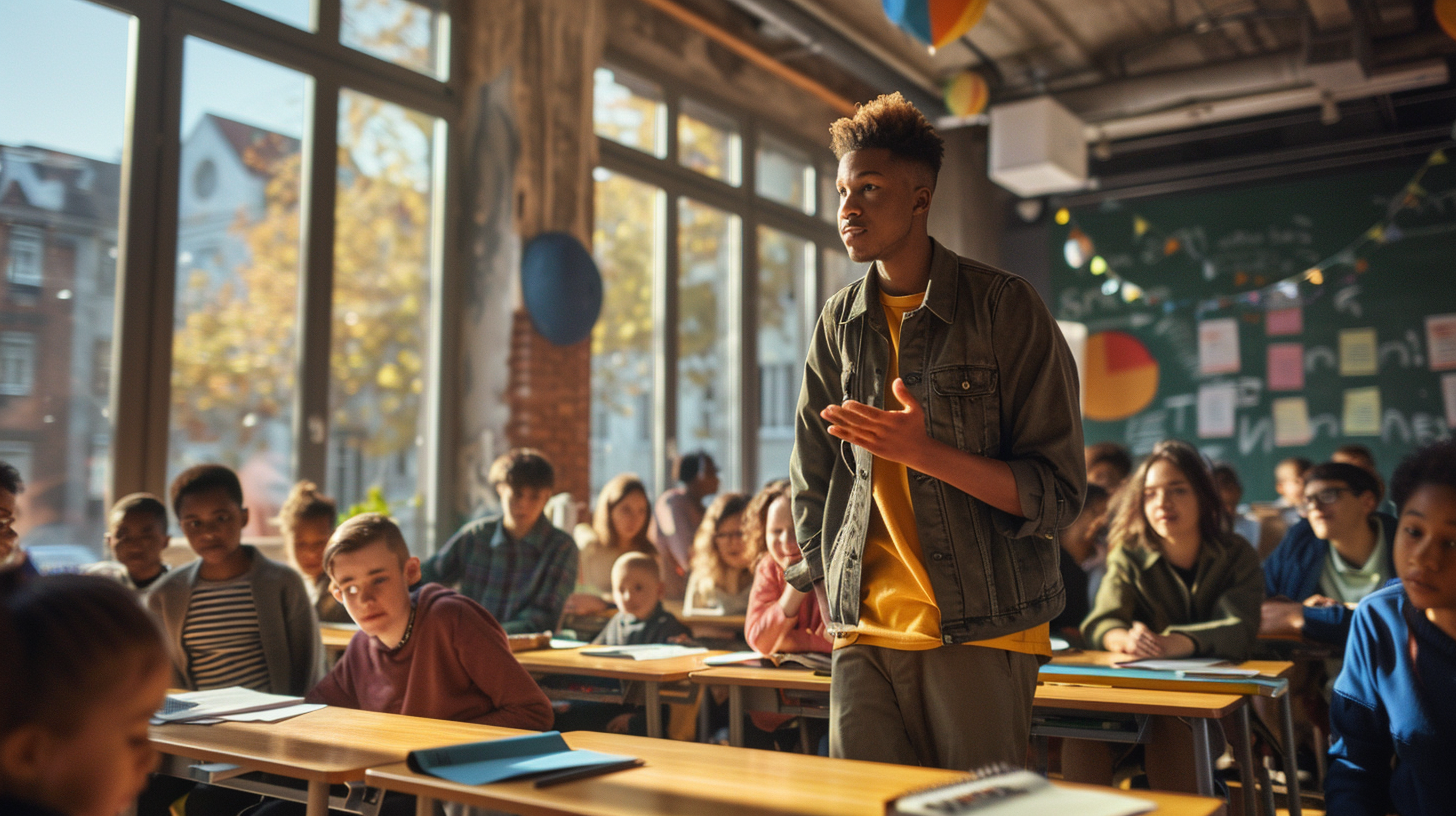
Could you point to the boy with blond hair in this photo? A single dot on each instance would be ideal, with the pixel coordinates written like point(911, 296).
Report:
point(428, 653)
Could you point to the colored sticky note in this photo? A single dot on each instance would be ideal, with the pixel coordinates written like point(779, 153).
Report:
point(1291, 422)
point(1216, 402)
point(1218, 346)
point(1441, 341)
point(1279, 322)
point(1286, 366)
point(1357, 353)
point(1362, 411)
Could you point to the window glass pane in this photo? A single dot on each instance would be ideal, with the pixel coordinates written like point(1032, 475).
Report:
point(411, 34)
point(382, 308)
point(828, 196)
point(234, 351)
point(783, 261)
point(294, 12)
point(61, 133)
point(629, 110)
point(626, 241)
point(785, 175)
point(708, 142)
point(709, 256)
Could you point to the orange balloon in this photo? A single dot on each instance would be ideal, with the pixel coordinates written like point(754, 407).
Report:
point(1446, 16)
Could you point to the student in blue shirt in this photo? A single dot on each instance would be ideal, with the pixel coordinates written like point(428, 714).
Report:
point(1393, 715)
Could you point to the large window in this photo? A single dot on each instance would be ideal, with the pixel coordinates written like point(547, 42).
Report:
point(278, 299)
point(61, 137)
point(737, 204)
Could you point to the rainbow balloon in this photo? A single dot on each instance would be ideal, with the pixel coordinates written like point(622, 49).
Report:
point(935, 22)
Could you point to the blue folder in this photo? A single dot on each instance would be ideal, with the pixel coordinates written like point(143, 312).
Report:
point(480, 763)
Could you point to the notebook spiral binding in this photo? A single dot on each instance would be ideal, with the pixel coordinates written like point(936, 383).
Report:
point(983, 772)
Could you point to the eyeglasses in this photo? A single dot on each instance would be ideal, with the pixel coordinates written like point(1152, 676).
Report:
point(1324, 498)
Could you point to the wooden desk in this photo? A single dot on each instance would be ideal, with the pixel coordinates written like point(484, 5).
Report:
point(1271, 682)
point(324, 747)
point(650, 673)
point(336, 637)
point(709, 625)
point(747, 686)
point(712, 780)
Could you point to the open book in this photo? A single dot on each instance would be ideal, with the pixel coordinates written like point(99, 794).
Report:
point(1013, 793)
point(1200, 666)
point(643, 651)
point(480, 763)
point(808, 660)
point(235, 703)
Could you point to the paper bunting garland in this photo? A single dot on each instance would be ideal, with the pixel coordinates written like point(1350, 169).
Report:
point(1080, 250)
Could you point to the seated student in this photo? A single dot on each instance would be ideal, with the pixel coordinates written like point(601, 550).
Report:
point(1336, 556)
point(1361, 457)
point(85, 669)
point(136, 537)
point(1108, 465)
point(1289, 484)
point(1231, 493)
point(637, 589)
point(15, 566)
point(428, 653)
point(307, 519)
point(676, 516)
point(1079, 542)
point(514, 563)
point(1178, 584)
point(779, 618)
point(720, 580)
point(232, 617)
point(619, 526)
point(1393, 715)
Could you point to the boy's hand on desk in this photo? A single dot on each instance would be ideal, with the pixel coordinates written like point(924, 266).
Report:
point(1320, 600)
point(1281, 618)
point(619, 723)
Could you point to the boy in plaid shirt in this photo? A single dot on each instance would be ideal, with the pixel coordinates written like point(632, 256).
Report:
point(515, 563)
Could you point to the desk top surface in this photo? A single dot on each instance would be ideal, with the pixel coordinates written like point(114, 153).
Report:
point(1048, 695)
point(1268, 669)
point(682, 777)
point(329, 745)
point(336, 637)
point(571, 661)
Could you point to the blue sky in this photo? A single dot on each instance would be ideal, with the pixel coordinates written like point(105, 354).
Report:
point(64, 68)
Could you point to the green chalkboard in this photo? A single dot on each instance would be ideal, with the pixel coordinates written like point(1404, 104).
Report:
point(1198, 259)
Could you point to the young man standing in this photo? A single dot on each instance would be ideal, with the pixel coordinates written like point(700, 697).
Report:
point(1331, 560)
point(937, 452)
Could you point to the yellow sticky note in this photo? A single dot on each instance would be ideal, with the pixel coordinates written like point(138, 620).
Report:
point(1362, 411)
point(1358, 356)
point(1291, 422)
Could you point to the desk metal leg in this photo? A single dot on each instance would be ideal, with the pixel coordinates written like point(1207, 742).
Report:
point(1243, 746)
point(318, 798)
point(424, 806)
point(654, 709)
point(1202, 755)
point(735, 716)
point(1291, 752)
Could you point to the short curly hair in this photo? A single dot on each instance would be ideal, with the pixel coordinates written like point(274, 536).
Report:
point(1434, 464)
point(892, 123)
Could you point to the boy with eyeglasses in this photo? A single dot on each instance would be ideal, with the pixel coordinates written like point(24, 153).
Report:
point(1330, 560)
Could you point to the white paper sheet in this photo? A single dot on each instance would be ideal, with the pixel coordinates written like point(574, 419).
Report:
point(1216, 402)
point(1218, 346)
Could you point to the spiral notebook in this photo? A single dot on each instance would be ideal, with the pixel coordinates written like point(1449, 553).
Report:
point(1006, 791)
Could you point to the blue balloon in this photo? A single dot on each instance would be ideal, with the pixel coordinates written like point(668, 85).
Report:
point(561, 286)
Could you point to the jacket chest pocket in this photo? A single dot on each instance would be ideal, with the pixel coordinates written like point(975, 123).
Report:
point(963, 407)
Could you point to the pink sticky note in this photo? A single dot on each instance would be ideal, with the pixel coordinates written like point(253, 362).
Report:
point(1279, 322)
point(1286, 366)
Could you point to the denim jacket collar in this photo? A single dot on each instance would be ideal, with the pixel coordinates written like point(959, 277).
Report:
point(940, 291)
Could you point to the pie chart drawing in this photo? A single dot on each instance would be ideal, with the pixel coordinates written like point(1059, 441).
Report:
point(1122, 377)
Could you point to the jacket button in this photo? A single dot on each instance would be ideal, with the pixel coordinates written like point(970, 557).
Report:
point(965, 385)
point(912, 379)
point(864, 474)
point(938, 556)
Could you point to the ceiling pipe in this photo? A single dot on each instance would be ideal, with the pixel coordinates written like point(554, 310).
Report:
point(859, 61)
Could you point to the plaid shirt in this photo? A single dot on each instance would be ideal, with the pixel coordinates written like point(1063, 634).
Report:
point(524, 583)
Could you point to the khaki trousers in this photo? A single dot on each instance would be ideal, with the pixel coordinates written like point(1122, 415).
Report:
point(954, 707)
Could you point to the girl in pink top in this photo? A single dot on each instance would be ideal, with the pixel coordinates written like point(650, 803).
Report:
point(779, 618)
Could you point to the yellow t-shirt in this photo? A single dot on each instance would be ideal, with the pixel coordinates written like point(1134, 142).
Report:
point(897, 604)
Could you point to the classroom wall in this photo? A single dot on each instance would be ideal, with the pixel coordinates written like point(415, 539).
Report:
point(1211, 347)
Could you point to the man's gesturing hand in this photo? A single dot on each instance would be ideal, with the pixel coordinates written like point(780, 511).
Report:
point(895, 435)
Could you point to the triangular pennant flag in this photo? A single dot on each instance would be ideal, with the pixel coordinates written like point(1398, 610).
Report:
point(1376, 233)
point(1139, 226)
point(1438, 157)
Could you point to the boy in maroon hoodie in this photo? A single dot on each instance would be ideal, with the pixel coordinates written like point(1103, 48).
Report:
point(430, 653)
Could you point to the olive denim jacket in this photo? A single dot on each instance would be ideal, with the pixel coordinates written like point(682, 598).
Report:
point(988, 365)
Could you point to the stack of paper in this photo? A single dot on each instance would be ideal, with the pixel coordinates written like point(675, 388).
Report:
point(645, 651)
point(233, 704)
point(1198, 666)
